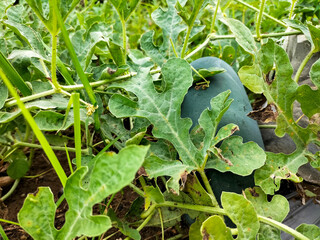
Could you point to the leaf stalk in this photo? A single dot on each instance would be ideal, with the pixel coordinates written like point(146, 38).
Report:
point(58, 148)
point(258, 25)
point(265, 14)
point(303, 64)
point(77, 127)
point(214, 17)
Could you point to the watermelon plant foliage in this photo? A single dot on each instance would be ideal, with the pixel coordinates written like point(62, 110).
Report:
point(130, 63)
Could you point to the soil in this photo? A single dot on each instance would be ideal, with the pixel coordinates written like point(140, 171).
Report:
point(11, 206)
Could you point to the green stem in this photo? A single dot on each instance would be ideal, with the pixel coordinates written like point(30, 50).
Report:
point(43, 141)
point(11, 103)
point(124, 39)
point(177, 237)
point(292, 8)
point(212, 37)
point(258, 31)
point(44, 68)
point(58, 148)
point(27, 135)
point(143, 183)
point(161, 222)
point(137, 190)
point(9, 222)
point(3, 234)
point(54, 62)
point(8, 194)
point(38, 175)
point(14, 76)
point(31, 154)
point(264, 14)
point(74, 58)
point(143, 224)
point(77, 127)
point(281, 34)
point(185, 44)
point(149, 211)
point(208, 186)
point(267, 126)
point(60, 200)
point(106, 81)
point(64, 72)
point(110, 201)
point(282, 227)
point(173, 48)
point(203, 78)
point(303, 64)
point(68, 158)
point(214, 16)
point(200, 208)
point(220, 211)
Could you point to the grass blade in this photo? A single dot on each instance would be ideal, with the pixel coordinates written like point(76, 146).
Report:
point(14, 76)
point(77, 127)
point(43, 141)
point(75, 60)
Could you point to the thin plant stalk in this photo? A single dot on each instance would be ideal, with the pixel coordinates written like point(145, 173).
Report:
point(77, 65)
point(9, 222)
point(161, 222)
point(14, 76)
point(143, 224)
point(264, 14)
point(185, 44)
point(13, 102)
point(136, 189)
point(173, 48)
point(54, 55)
point(258, 25)
point(57, 148)
point(214, 17)
point(190, 26)
point(208, 187)
point(68, 158)
point(213, 37)
point(124, 38)
point(292, 8)
point(8, 194)
point(43, 141)
point(303, 64)
point(74, 58)
point(77, 127)
point(3, 234)
point(60, 200)
point(282, 227)
point(221, 211)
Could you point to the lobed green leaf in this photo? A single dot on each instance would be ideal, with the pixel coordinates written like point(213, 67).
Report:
point(243, 35)
point(279, 166)
point(305, 96)
point(242, 213)
point(237, 157)
point(315, 73)
point(124, 8)
point(276, 209)
point(309, 230)
point(215, 228)
point(111, 172)
point(161, 109)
